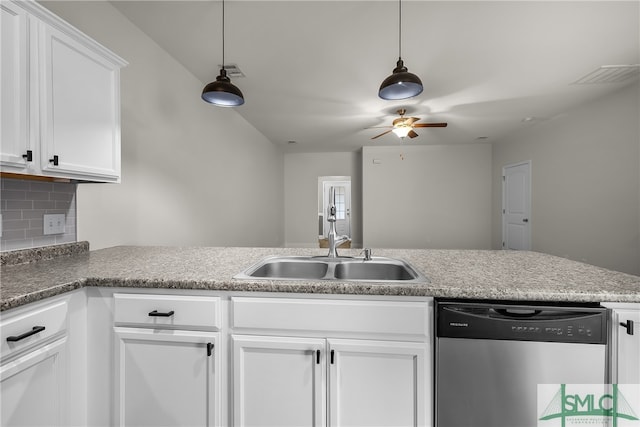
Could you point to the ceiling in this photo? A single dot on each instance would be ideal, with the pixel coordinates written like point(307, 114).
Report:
point(313, 68)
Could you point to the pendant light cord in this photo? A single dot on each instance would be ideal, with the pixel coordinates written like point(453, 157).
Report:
point(399, 28)
point(223, 34)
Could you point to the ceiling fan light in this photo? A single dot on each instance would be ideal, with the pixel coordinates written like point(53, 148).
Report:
point(222, 92)
point(401, 84)
point(402, 131)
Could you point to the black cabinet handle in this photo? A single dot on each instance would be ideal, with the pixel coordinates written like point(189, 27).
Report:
point(54, 160)
point(332, 357)
point(29, 156)
point(628, 325)
point(156, 313)
point(209, 349)
point(317, 357)
point(33, 331)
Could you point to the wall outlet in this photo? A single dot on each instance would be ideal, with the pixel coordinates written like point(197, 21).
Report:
point(53, 224)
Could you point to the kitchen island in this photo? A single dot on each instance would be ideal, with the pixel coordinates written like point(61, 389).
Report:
point(481, 274)
point(167, 336)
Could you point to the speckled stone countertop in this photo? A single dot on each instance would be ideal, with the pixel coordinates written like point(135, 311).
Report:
point(453, 273)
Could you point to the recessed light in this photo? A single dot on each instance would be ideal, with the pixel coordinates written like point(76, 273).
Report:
point(292, 142)
point(480, 138)
point(529, 119)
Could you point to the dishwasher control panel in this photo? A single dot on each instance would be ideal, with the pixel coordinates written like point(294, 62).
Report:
point(521, 322)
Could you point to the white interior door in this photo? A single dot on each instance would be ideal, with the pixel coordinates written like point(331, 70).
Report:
point(342, 194)
point(516, 206)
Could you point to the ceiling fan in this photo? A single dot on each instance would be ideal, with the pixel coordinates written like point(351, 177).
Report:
point(403, 126)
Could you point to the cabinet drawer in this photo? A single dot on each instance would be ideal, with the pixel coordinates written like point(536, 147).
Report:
point(402, 318)
point(31, 327)
point(167, 311)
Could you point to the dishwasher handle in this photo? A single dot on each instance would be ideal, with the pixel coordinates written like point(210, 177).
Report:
point(517, 313)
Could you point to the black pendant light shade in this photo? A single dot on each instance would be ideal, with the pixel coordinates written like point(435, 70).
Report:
point(222, 92)
point(401, 84)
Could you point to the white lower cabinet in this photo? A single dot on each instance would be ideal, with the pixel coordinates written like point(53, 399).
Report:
point(360, 378)
point(33, 388)
point(167, 360)
point(166, 378)
point(34, 371)
point(625, 343)
point(377, 383)
point(278, 381)
point(288, 381)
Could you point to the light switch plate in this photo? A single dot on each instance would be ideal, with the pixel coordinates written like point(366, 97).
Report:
point(53, 224)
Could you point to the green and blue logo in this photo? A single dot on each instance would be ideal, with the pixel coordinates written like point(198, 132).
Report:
point(590, 404)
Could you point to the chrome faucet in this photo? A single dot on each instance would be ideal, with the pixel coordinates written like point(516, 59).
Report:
point(334, 239)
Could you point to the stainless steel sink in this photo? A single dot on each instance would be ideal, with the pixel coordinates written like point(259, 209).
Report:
point(387, 270)
point(290, 268)
point(377, 269)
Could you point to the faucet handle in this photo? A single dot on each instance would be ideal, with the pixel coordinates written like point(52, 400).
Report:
point(367, 254)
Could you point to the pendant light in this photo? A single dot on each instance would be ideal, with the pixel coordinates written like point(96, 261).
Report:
point(401, 84)
point(222, 92)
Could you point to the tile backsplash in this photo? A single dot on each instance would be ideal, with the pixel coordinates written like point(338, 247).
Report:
point(23, 204)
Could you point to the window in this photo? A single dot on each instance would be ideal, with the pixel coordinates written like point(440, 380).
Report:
point(341, 202)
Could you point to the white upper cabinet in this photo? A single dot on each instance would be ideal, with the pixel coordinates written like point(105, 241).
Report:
point(60, 98)
point(14, 90)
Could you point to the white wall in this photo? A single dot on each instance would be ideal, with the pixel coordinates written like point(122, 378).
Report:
point(301, 172)
point(585, 182)
point(427, 196)
point(192, 173)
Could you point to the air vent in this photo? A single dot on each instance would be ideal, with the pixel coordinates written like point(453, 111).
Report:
point(609, 74)
point(233, 71)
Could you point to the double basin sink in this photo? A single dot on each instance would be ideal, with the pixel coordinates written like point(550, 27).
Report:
point(376, 269)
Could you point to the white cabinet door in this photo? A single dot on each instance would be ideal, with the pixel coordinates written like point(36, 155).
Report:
point(628, 346)
point(33, 388)
point(167, 378)
point(378, 383)
point(278, 381)
point(14, 90)
point(80, 111)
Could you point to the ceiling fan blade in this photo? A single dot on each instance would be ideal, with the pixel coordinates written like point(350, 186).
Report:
point(383, 133)
point(412, 134)
point(430, 125)
point(411, 120)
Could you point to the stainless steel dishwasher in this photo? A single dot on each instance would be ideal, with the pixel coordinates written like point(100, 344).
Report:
point(491, 357)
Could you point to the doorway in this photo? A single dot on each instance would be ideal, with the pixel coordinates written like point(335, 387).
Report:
point(342, 201)
point(516, 206)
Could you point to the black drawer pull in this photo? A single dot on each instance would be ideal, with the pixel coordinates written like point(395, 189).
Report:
point(33, 331)
point(156, 313)
point(332, 357)
point(54, 161)
point(209, 349)
point(628, 325)
point(317, 357)
point(29, 156)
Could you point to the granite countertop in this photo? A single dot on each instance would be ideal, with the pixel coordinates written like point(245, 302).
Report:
point(514, 275)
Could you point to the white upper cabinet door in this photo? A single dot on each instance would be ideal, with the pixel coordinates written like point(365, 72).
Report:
point(378, 383)
point(14, 90)
point(80, 109)
point(278, 381)
point(167, 378)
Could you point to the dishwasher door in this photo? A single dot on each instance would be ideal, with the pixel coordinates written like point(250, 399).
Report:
point(490, 360)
